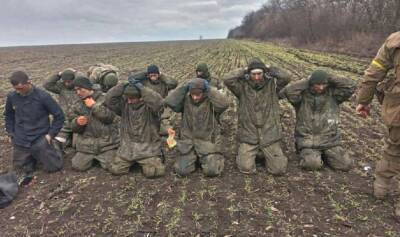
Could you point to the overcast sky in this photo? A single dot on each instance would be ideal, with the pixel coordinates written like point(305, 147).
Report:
point(32, 22)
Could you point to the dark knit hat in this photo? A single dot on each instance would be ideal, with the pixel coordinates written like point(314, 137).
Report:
point(153, 69)
point(18, 77)
point(197, 85)
point(131, 91)
point(319, 77)
point(68, 75)
point(256, 63)
point(83, 82)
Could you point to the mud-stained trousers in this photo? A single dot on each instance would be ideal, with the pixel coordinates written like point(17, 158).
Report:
point(211, 164)
point(335, 157)
point(25, 159)
point(387, 171)
point(82, 161)
point(152, 167)
point(275, 160)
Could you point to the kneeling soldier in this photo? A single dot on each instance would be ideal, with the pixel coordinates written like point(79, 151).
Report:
point(201, 107)
point(140, 109)
point(97, 131)
point(317, 101)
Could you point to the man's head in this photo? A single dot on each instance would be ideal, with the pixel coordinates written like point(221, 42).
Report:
point(132, 95)
point(319, 81)
point(83, 87)
point(256, 69)
point(153, 73)
point(68, 77)
point(110, 80)
point(197, 90)
point(21, 82)
point(202, 71)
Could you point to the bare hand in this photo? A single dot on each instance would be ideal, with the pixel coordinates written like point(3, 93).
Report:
point(48, 138)
point(363, 110)
point(89, 102)
point(82, 120)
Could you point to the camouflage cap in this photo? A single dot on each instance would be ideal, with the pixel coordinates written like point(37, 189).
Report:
point(110, 79)
point(202, 67)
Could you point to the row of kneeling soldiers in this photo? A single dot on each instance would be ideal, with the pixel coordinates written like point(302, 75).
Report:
point(119, 124)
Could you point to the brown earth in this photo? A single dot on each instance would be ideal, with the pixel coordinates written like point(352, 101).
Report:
point(300, 203)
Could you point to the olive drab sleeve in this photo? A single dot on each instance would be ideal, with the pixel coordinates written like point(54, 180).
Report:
point(343, 88)
point(175, 100)
point(232, 81)
point(53, 84)
point(114, 99)
point(282, 77)
point(102, 113)
point(218, 100)
point(170, 82)
point(152, 99)
point(293, 91)
point(73, 113)
point(375, 73)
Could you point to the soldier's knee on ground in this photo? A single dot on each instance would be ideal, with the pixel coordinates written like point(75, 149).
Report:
point(213, 165)
point(118, 166)
point(185, 164)
point(310, 159)
point(82, 162)
point(338, 159)
point(275, 161)
point(153, 171)
point(245, 159)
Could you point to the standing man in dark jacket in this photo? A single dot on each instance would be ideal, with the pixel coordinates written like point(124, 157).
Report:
point(202, 71)
point(201, 106)
point(27, 112)
point(256, 88)
point(317, 134)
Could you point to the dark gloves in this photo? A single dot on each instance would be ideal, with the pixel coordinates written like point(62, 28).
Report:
point(136, 82)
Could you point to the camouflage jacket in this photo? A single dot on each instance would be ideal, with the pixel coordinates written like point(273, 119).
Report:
point(162, 86)
point(97, 72)
point(387, 58)
point(140, 123)
point(200, 126)
point(66, 97)
point(101, 133)
point(317, 115)
point(258, 109)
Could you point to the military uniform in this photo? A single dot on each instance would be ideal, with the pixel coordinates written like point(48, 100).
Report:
point(388, 168)
point(205, 74)
point(199, 138)
point(259, 117)
point(162, 86)
point(97, 140)
point(104, 75)
point(317, 122)
point(140, 124)
point(66, 98)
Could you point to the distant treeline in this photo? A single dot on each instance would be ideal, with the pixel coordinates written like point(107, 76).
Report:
point(358, 26)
